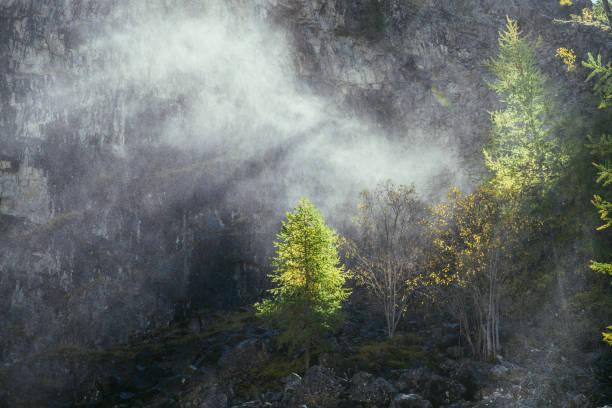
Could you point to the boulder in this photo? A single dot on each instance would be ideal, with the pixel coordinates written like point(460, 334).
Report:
point(319, 387)
point(413, 379)
point(370, 390)
point(579, 400)
point(436, 388)
point(291, 382)
point(410, 401)
point(443, 390)
point(273, 397)
point(205, 396)
point(462, 374)
point(245, 356)
point(508, 372)
point(499, 371)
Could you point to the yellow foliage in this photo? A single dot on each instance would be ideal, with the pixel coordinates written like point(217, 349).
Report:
point(568, 56)
point(470, 234)
point(565, 2)
point(607, 337)
point(587, 15)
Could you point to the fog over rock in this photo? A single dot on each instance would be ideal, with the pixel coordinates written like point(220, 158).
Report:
point(149, 149)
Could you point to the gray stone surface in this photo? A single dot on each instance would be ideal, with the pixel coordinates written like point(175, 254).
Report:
point(319, 387)
point(370, 390)
point(410, 401)
point(109, 228)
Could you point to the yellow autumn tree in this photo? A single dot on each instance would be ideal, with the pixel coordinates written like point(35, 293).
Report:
point(474, 239)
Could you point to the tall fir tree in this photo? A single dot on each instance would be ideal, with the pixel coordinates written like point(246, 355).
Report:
point(603, 149)
point(526, 159)
point(309, 283)
point(523, 154)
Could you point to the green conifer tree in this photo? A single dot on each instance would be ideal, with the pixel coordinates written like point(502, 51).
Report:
point(523, 155)
point(603, 149)
point(526, 159)
point(601, 9)
point(308, 292)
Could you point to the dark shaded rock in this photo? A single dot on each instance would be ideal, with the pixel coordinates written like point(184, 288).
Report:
point(507, 401)
point(449, 340)
point(272, 397)
point(217, 400)
point(126, 395)
point(144, 378)
point(132, 239)
point(291, 382)
point(436, 388)
point(413, 379)
point(371, 391)
point(331, 360)
point(446, 335)
point(579, 400)
point(461, 373)
point(253, 404)
point(410, 401)
point(507, 372)
point(245, 356)
point(206, 396)
point(443, 390)
point(455, 351)
point(499, 371)
point(195, 325)
point(349, 404)
point(319, 387)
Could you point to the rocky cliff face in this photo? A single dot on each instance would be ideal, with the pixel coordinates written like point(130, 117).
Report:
point(417, 67)
point(149, 149)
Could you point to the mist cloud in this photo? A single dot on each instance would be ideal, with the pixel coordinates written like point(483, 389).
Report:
point(226, 83)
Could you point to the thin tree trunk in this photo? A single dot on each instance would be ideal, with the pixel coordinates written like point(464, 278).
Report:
point(491, 318)
point(497, 344)
point(481, 323)
point(466, 329)
point(307, 357)
point(389, 324)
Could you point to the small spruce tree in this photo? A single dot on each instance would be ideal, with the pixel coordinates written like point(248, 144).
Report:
point(308, 292)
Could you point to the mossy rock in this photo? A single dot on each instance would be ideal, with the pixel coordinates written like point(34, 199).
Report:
point(268, 375)
point(228, 322)
point(401, 351)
